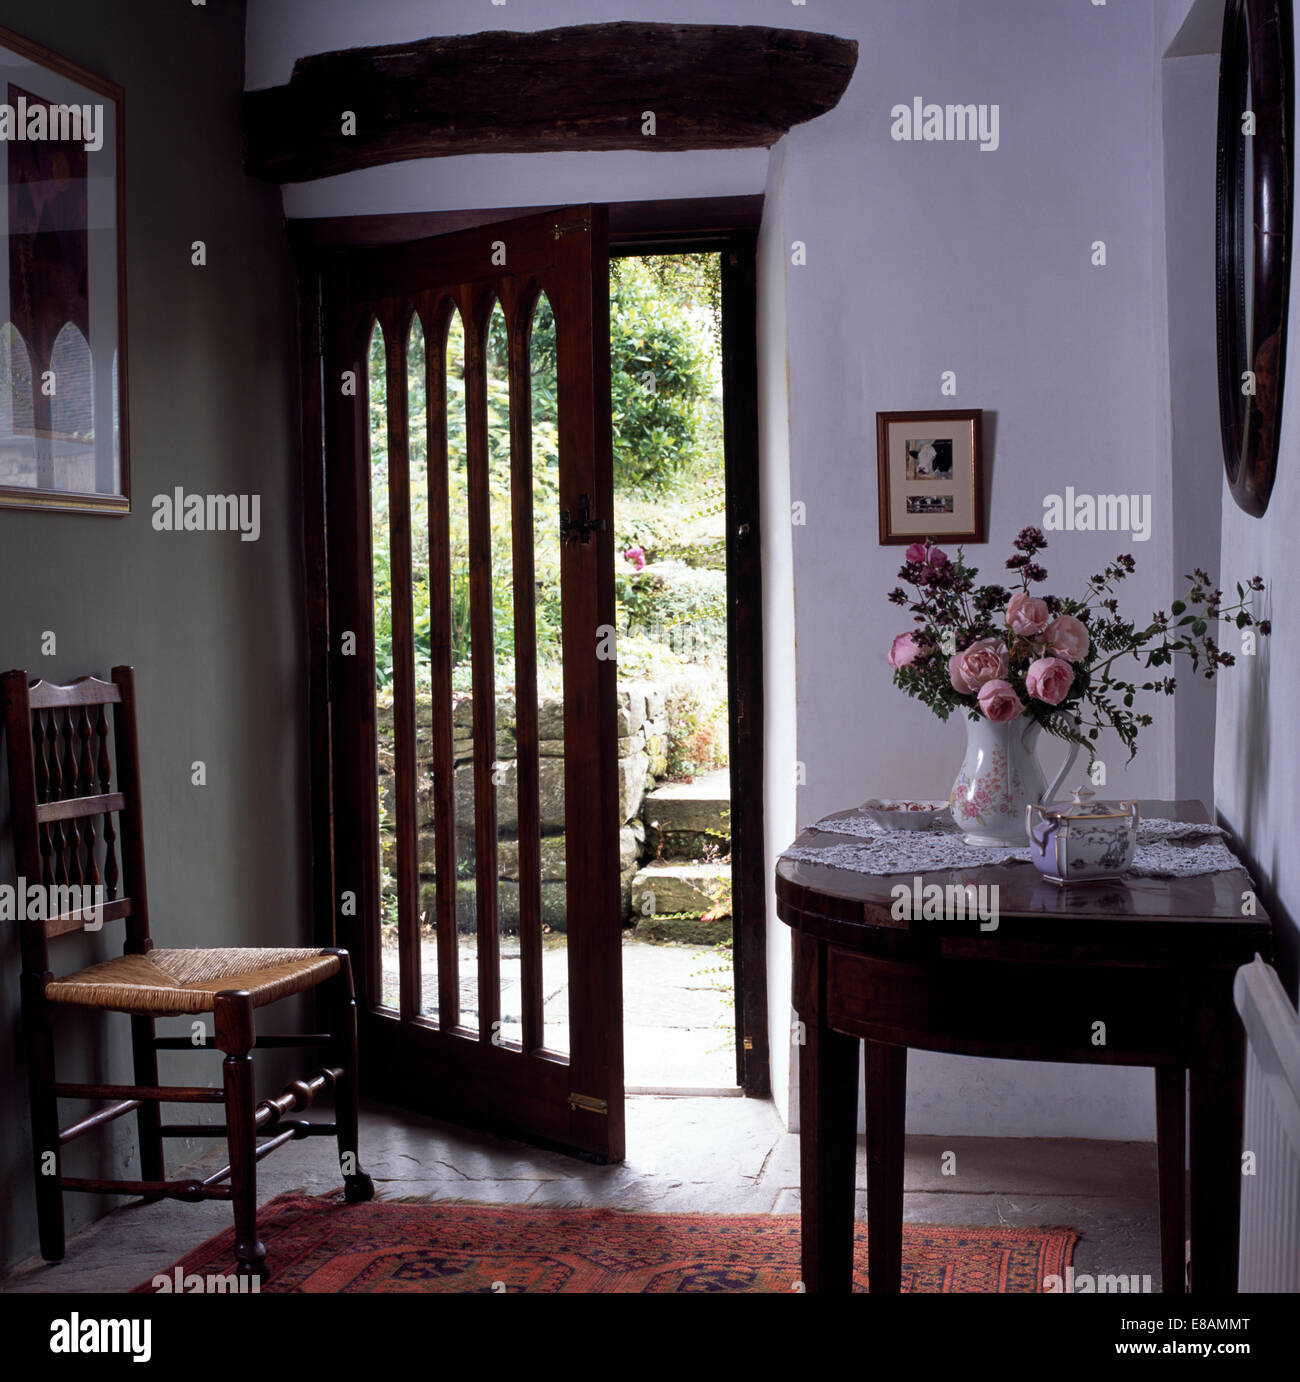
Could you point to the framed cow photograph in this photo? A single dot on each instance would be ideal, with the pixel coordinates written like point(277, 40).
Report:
point(931, 476)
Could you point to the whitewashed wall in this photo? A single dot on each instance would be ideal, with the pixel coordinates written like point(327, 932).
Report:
point(921, 258)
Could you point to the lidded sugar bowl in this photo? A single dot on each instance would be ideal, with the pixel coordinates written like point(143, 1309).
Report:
point(1081, 839)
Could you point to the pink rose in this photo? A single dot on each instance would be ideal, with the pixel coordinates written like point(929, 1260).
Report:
point(1049, 680)
point(983, 661)
point(1027, 615)
point(1067, 637)
point(636, 556)
point(921, 555)
point(904, 651)
point(999, 702)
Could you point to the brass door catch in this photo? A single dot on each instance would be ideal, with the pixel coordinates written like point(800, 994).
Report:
point(568, 226)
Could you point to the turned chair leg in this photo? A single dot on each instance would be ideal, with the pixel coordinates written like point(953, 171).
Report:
point(357, 1186)
point(149, 1114)
point(45, 1126)
point(236, 1036)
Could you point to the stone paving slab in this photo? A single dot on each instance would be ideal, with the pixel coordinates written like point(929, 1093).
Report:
point(678, 1014)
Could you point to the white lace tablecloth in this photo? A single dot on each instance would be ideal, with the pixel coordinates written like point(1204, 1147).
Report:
point(1165, 849)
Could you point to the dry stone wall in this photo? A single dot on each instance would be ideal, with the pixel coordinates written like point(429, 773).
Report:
point(642, 761)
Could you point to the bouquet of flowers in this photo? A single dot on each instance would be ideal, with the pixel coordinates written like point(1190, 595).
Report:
point(1001, 653)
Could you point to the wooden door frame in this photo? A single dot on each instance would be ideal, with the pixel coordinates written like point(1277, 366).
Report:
point(725, 225)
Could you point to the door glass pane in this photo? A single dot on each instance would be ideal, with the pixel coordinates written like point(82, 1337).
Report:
point(550, 673)
point(505, 771)
point(381, 576)
point(417, 418)
point(462, 669)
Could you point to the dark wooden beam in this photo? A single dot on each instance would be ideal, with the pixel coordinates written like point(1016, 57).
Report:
point(709, 86)
point(631, 224)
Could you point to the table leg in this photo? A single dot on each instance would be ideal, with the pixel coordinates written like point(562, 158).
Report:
point(828, 1144)
point(886, 1081)
point(1218, 1104)
point(1171, 1120)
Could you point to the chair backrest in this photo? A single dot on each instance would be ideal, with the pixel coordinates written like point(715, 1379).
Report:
point(74, 786)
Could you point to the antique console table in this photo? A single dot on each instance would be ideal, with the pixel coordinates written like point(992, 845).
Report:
point(1152, 959)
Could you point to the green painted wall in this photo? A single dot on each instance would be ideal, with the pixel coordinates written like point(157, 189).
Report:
point(213, 625)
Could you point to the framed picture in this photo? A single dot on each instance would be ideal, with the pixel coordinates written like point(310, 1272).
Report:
point(931, 474)
point(63, 415)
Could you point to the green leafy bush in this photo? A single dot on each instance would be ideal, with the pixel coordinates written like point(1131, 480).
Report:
point(659, 388)
point(696, 708)
point(664, 387)
point(681, 606)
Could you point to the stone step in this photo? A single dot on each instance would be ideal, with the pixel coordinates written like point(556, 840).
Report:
point(688, 817)
point(670, 902)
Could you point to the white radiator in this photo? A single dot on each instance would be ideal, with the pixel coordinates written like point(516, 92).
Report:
point(1270, 1199)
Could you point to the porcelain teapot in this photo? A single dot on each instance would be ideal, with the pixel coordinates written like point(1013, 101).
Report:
point(1082, 839)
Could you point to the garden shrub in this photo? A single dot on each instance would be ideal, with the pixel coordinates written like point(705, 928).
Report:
point(664, 388)
point(696, 708)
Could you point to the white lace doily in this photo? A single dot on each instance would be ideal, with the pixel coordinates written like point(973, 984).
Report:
point(1165, 849)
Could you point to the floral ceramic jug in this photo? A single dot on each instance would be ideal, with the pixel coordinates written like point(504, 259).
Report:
point(999, 778)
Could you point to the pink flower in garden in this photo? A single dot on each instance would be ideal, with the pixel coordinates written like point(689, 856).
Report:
point(1027, 615)
point(983, 661)
point(999, 702)
point(904, 650)
point(636, 556)
point(1067, 637)
point(1049, 680)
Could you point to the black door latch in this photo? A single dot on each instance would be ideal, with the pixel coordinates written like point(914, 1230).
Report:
point(581, 527)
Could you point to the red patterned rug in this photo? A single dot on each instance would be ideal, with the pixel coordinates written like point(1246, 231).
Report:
point(322, 1245)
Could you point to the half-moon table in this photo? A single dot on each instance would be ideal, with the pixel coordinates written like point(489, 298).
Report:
point(1150, 960)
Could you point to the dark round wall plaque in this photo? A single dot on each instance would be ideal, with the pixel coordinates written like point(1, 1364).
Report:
point(1253, 254)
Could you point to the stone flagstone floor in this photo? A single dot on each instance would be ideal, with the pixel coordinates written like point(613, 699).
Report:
point(685, 1155)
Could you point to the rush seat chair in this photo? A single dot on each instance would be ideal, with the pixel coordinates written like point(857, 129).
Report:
point(77, 828)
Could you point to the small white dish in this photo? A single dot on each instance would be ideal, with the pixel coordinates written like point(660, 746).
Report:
point(892, 814)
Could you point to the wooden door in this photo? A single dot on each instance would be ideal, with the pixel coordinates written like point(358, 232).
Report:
point(465, 381)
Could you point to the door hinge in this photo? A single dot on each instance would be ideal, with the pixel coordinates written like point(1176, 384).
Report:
point(749, 1043)
point(583, 525)
point(588, 1103)
point(563, 228)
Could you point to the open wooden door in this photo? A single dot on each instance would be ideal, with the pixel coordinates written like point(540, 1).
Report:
point(472, 675)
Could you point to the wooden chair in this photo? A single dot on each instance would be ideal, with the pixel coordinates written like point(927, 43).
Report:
point(77, 825)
